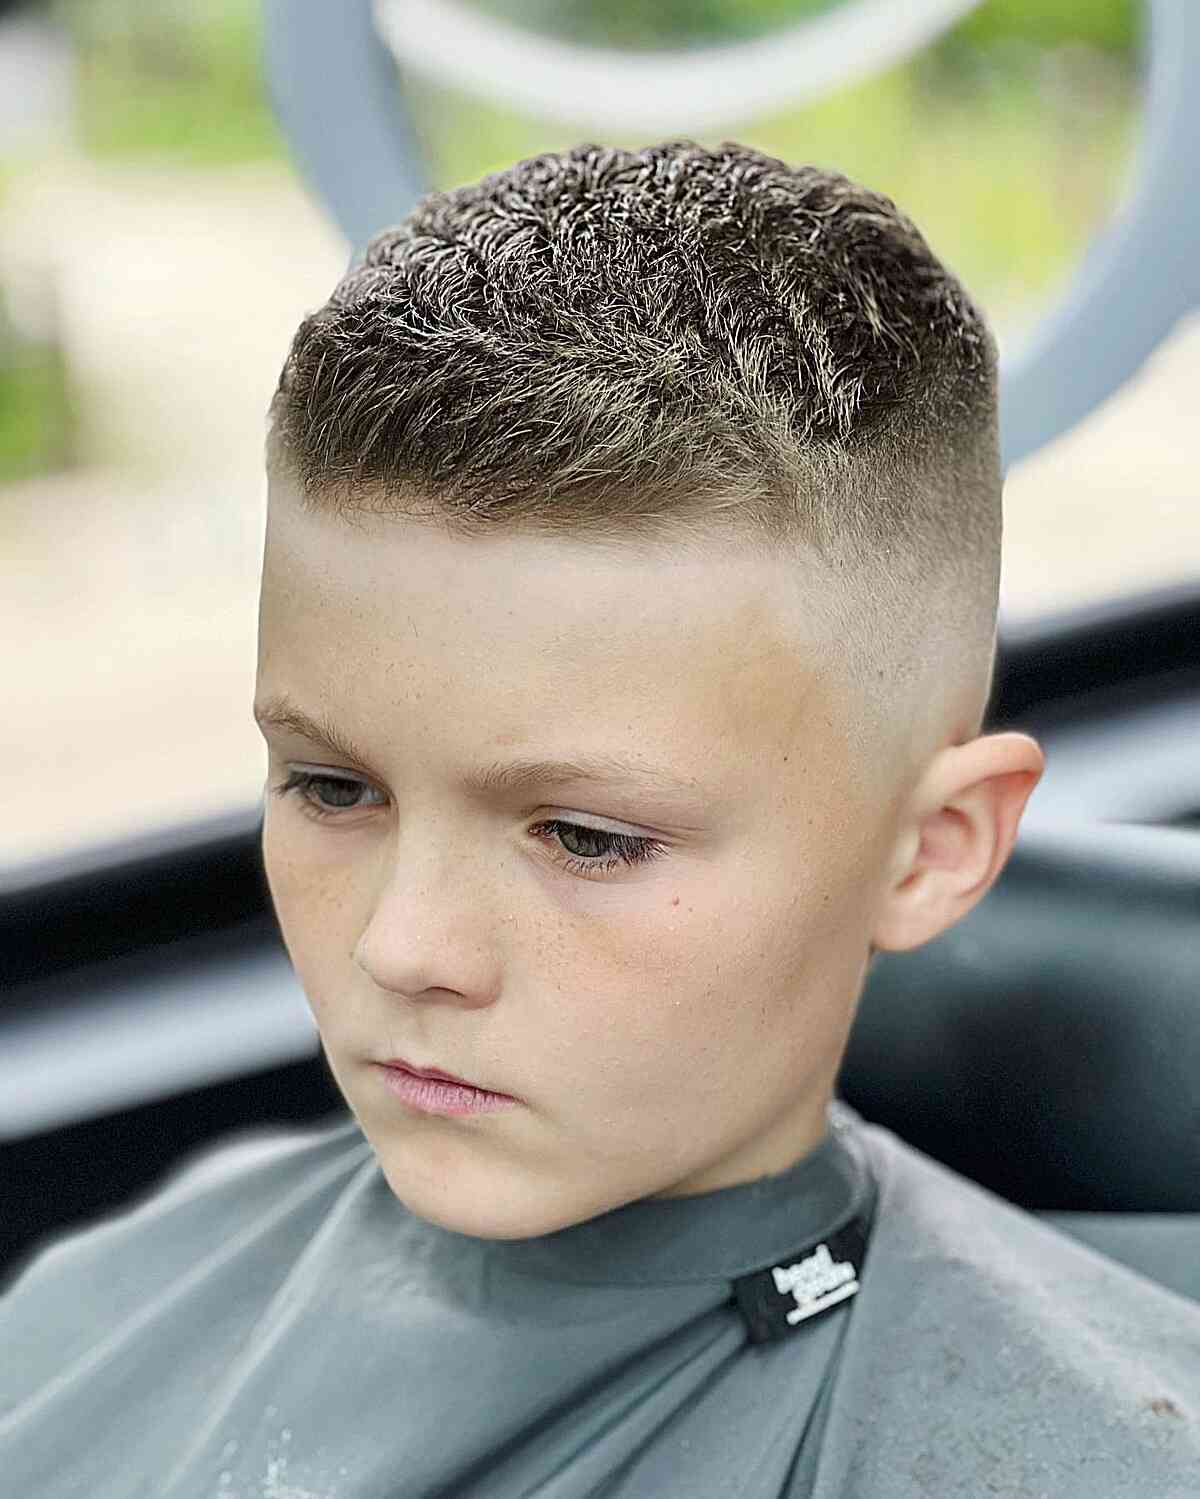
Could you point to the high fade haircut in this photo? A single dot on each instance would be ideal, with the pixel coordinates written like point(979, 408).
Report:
point(692, 343)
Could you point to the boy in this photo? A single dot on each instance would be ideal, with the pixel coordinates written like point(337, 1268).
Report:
point(628, 619)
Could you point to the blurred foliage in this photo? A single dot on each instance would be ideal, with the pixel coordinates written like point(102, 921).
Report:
point(36, 413)
point(669, 23)
point(175, 77)
point(1108, 24)
point(1112, 25)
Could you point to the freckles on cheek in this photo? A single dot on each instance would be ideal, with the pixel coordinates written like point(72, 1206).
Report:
point(311, 922)
point(289, 874)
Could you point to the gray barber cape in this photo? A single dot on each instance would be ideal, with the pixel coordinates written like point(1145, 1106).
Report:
point(273, 1323)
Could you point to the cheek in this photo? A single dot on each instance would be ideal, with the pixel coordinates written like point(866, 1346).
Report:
point(280, 862)
point(658, 991)
point(305, 905)
point(742, 963)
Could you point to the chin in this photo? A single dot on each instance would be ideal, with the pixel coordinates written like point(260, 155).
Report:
point(491, 1209)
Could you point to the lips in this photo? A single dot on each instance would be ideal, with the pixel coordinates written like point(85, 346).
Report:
point(435, 1072)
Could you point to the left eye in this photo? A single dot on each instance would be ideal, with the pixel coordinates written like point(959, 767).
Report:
point(617, 848)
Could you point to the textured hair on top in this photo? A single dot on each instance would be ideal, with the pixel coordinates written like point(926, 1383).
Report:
point(683, 342)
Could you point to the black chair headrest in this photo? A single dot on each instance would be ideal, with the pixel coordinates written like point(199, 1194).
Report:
point(1048, 1044)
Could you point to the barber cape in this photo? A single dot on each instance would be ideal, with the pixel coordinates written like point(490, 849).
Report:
point(273, 1323)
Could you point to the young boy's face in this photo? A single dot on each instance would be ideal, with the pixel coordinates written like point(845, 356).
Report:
point(669, 1027)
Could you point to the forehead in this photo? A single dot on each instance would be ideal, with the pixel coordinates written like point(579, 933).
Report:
point(695, 647)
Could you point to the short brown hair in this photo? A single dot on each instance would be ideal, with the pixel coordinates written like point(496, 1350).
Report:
point(618, 343)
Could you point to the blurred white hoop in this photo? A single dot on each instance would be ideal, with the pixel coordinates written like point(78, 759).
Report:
point(680, 91)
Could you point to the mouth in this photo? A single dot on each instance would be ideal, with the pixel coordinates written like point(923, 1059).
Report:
point(432, 1091)
point(399, 1064)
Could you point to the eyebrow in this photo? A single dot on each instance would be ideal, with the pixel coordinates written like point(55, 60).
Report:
point(281, 712)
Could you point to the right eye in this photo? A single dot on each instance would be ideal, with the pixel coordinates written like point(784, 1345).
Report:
point(305, 782)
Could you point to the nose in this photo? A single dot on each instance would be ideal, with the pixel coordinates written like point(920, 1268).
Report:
point(430, 933)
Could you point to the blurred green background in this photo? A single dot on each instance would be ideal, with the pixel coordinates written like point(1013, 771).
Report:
point(1008, 140)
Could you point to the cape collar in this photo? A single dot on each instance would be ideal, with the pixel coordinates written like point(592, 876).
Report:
point(720, 1235)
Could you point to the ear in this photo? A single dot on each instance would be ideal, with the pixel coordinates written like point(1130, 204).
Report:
point(955, 836)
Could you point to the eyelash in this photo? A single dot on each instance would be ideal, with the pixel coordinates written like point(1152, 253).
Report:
point(625, 848)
